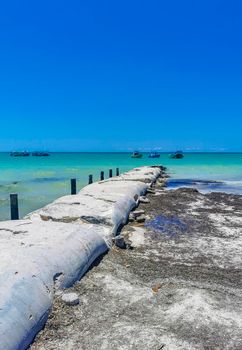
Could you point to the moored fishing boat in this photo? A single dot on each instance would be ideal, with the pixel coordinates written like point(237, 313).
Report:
point(40, 154)
point(154, 155)
point(177, 155)
point(137, 154)
point(20, 154)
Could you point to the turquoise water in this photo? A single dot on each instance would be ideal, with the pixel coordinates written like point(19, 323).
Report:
point(39, 181)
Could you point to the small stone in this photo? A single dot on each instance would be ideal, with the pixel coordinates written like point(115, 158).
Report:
point(144, 200)
point(141, 218)
point(149, 190)
point(119, 242)
point(137, 213)
point(70, 299)
point(131, 217)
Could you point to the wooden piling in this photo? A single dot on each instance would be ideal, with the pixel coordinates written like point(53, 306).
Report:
point(14, 206)
point(73, 186)
point(110, 172)
point(90, 179)
point(117, 171)
point(102, 175)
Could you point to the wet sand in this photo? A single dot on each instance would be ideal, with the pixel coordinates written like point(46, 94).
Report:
point(178, 286)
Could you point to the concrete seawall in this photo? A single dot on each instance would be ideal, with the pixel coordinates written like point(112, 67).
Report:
point(53, 247)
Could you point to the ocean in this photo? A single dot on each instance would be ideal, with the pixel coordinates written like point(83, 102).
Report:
point(38, 181)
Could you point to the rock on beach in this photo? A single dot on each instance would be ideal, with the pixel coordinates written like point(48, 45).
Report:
point(71, 299)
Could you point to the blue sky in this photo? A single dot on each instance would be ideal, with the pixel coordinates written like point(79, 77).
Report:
point(117, 75)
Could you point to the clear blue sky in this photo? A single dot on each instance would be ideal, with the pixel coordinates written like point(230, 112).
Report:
point(116, 75)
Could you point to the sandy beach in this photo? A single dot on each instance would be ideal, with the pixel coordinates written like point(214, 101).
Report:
point(177, 285)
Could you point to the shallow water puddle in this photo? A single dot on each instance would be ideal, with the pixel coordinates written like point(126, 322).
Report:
point(170, 226)
point(202, 185)
point(205, 186)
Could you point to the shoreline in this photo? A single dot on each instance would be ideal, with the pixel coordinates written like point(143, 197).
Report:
point(40, 181)
point(53, 247)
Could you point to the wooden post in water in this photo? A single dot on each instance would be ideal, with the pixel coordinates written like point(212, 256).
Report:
point(117, 171)
point(73, 186)
point(90, 180)
point(110, 172)
point(14, 206)
point(102, 175)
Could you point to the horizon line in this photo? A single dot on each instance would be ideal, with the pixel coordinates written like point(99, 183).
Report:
point(161, 152)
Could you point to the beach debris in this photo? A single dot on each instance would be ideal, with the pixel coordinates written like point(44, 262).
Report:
point(150, 190)
point(131, 217)
point(70, 299)
point(143, 199)
point(137, 213)
point(156, 288)
point(141, 218)
point(137, 216)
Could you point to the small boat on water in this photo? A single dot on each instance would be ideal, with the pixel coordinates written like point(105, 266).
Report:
point(20, 154)
point(154, 155)
point(177, 155)
point(40, 154)
point(137, 154)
